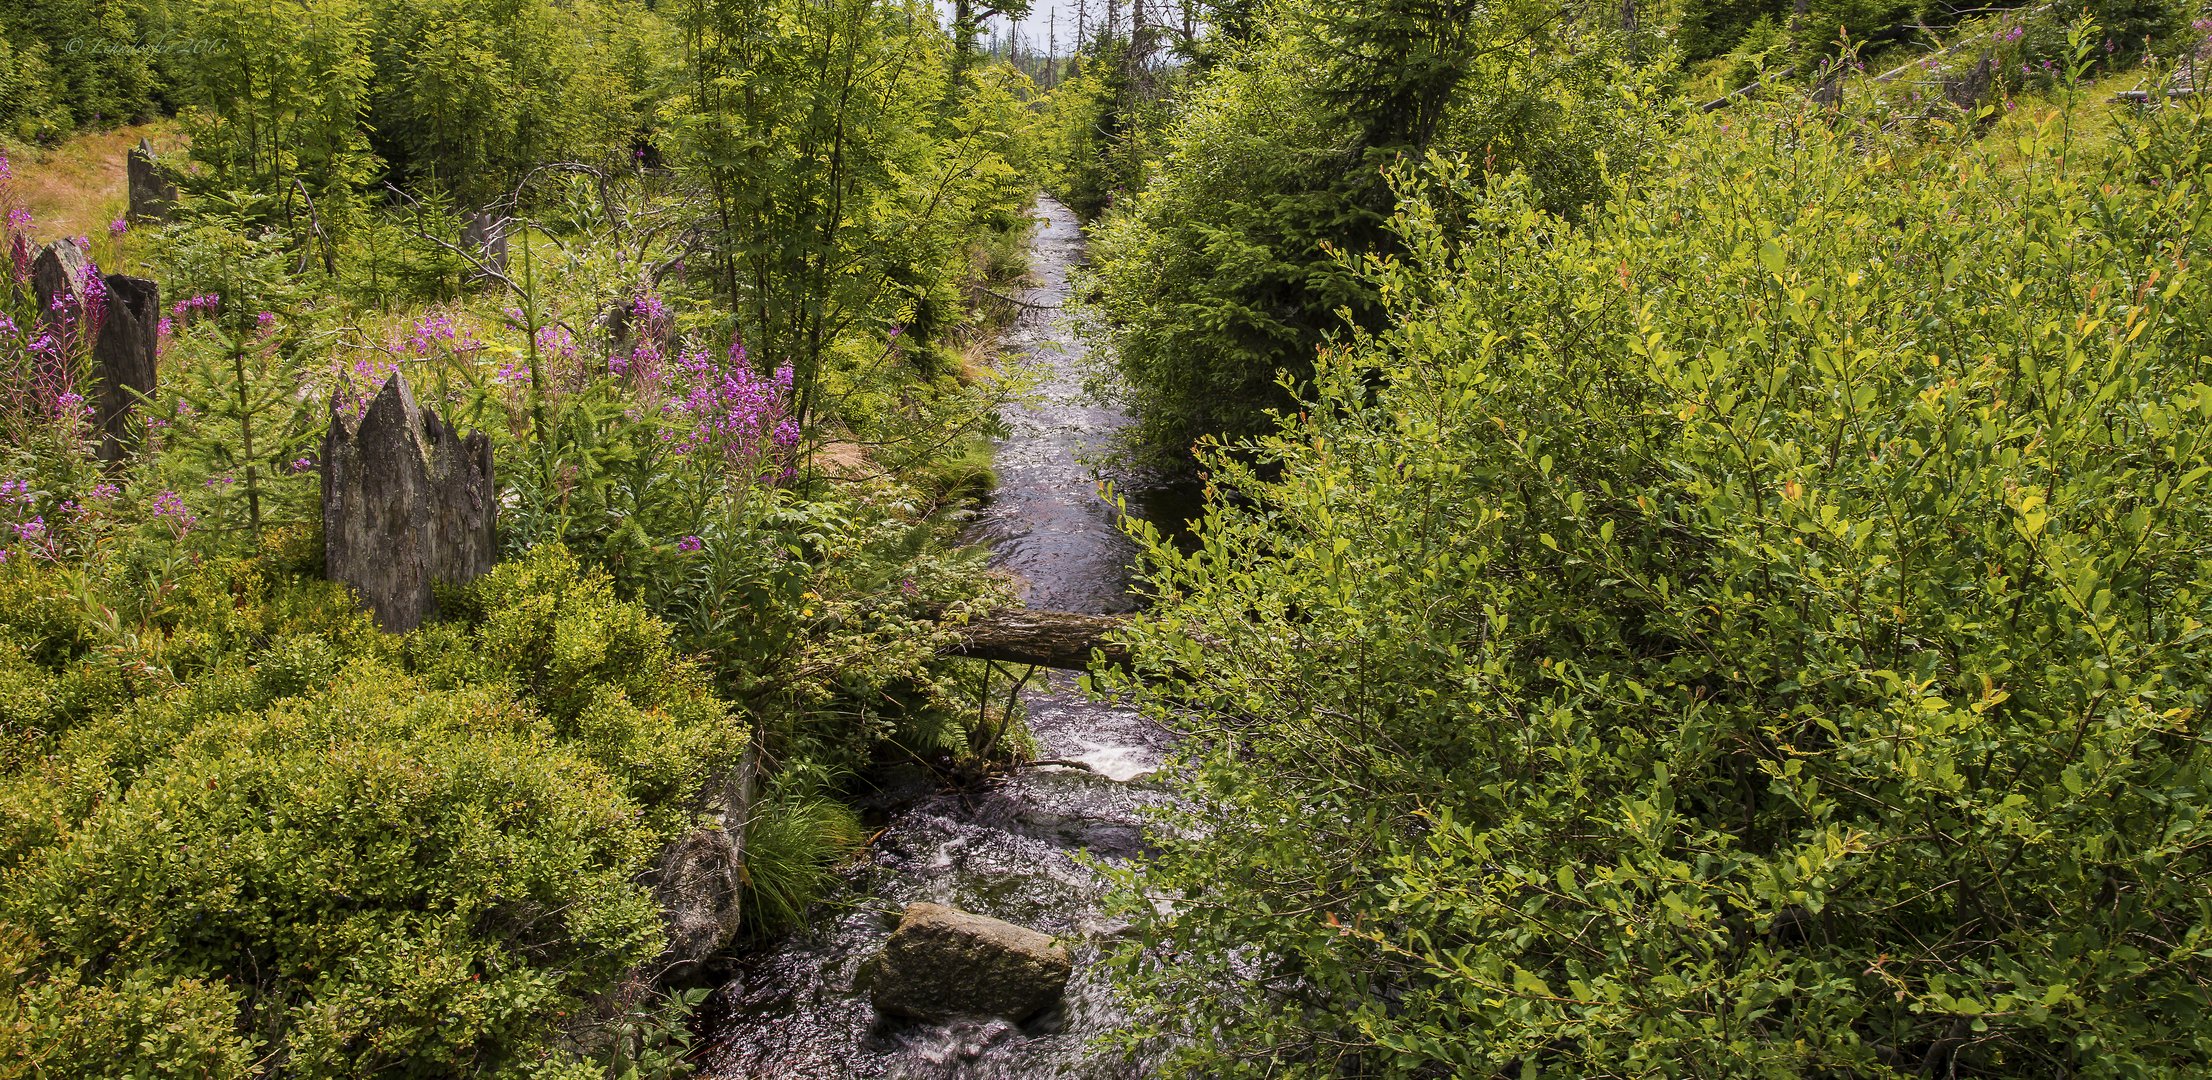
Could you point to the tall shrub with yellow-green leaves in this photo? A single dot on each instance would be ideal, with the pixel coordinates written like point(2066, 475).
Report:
point(1760, 630)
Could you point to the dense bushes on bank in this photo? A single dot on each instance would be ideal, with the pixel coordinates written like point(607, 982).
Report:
point(1754, 630)
point(1220, 274)
point(280, 835)
point(242, 833)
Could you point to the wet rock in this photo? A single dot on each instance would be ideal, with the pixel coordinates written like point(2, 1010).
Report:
point(152, 193)
point(699, 880)
point(943, 963)
point(407, 502)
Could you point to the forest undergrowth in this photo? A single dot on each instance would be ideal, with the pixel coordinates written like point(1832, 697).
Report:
point(1739, 614)
point(1704, 570)
point(729, 335)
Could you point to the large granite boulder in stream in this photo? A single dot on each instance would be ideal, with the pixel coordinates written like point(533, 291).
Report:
point(943, 963)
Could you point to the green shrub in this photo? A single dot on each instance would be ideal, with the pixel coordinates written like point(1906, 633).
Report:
point(1757, 631)
point(274, 832)
point(394, 878)
point(141, 1026)
point(1221, 274)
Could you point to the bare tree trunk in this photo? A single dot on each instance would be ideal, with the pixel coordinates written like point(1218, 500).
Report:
point(1054, 639)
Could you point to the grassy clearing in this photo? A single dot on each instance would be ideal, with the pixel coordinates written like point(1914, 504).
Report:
point(78, 188)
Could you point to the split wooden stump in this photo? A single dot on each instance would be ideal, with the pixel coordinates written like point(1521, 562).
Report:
point(408, 503)
point(123, 315)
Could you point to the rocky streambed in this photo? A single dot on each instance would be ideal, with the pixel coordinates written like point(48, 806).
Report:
point(1026, 850)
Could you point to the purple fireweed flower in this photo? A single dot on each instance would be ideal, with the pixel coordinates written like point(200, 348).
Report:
point(19, 219)
point(265, 321)
point(32, 530)
point(118, 227)
point(557, 341)
point(690, 543)
point(169, 506)
point(650, 311)
point(438, 333)
point(723, 407)
point(204, 304)
point(302, 464)
point(95, 299)
point(103, 491)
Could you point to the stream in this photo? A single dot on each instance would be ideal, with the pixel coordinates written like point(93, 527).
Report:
point(1017, 850)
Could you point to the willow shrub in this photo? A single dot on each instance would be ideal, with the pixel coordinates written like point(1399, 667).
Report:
point(1757, 631)
point(1221, 274)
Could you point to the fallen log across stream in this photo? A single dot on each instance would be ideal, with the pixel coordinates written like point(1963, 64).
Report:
point(1054, 639)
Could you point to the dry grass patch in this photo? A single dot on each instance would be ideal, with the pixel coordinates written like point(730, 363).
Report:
point(79, 187)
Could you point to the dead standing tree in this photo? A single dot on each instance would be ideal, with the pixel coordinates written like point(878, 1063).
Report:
point(408, 503)
point(123, 315)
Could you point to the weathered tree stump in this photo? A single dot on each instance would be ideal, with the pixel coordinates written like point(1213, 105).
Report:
point(486, 236)
point(60, 270)
point(1054, 639)
point(152, 193)
point(1967, 91)
point(123, 355)
point(407, 503)
point(124, 321)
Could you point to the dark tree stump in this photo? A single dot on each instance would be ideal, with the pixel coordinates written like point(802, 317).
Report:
point(487, 237)
point(124, 358)
point(407, 503)
point(152, 193)
point(1967, 91)
point(126, 328)
point(59, 269)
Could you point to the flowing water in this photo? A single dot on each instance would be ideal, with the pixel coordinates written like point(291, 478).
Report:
point(1019, 850)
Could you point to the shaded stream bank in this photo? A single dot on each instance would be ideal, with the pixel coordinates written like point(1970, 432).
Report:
point(1018, 850)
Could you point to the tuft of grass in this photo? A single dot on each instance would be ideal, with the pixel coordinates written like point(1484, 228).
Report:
point(797, 837)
